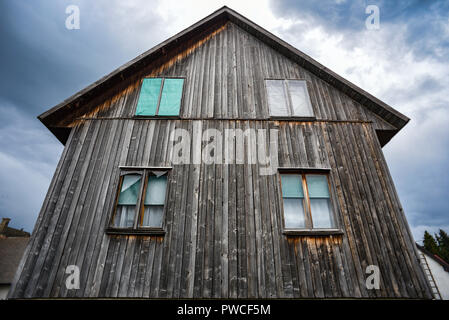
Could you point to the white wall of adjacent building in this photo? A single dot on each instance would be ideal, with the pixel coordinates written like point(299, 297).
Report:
point(440, 276)
point(4, 288)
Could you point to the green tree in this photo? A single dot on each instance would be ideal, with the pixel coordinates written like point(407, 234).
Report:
point(443, 245)
point(430, 243)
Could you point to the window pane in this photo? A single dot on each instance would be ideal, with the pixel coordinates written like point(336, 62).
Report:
point(156, 190)
point(124, 216)
point(294, 213)
point(291, 186)
point(321, 213)
point(276, 98)
point(130, 189)
point(300, 98)
point(171, 97)
point(152, 216)
point(149, 96)
point(154, 201)
point(317, 186)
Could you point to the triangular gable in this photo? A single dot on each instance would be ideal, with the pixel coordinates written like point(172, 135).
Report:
point(81, 102)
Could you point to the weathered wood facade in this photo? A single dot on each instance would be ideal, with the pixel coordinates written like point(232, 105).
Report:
point(223, 221)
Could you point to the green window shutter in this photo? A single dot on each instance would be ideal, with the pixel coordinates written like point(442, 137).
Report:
point(292, 186)
point(317, 186)
point(149, 97)
point(171, 97)
point(130, 189)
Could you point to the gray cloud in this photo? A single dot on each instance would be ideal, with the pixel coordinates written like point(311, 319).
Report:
point(43, 63)
point(425, 21)
point(403, 63)
point(28, 157)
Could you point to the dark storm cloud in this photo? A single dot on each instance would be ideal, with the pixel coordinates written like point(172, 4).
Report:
point(43, 63)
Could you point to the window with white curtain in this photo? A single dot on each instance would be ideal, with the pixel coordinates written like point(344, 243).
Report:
point(140, 201)
point(306, 201)
point(288, 98)
point(127, 200)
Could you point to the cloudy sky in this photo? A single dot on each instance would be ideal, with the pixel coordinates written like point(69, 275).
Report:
point(404, 63)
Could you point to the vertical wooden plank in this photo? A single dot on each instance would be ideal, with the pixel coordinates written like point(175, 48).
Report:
point(224, 261)
point(218, 225)
point(21, 276)
point(110, 186)
point(223, 85)
point(50, 270)
point(176, 252)
point(349, 243)
point(250, 233)
point(71, 238)
point(209, 221)
point(80, 250)
point(382, 244)
point(201, 233)
point(259, 252)
point(70, 182)
point(268, 242)
point(127, 268)
point(300, 267)
point(196, 153)
point(233, 234)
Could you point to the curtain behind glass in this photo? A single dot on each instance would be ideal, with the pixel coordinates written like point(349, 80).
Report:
point(276, 98)
point(154, 201)
point(127, 201)
point(320, 207)
point(293, 197)
point(300, 98)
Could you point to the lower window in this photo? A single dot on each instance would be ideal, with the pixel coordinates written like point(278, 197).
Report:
point(307, 201)
point(140, 201)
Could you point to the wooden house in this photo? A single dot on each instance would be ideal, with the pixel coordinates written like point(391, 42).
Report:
point(136, 223)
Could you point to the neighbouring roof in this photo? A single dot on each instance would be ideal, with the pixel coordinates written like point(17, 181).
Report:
point(434, 257)
point(11, 232)
point(6, 231)
point(11, 251)
point(85, 98)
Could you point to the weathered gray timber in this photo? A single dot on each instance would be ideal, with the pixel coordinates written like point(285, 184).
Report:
point(223, 222)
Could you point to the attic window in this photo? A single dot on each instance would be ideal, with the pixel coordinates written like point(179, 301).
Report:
point(140, 202)
point(160, 97)
point(288, 98)
point(307, 202)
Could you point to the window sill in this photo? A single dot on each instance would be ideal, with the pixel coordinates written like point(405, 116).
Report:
point(312, 232)
point(131, 231)
point(293, 118)
point(156, 117)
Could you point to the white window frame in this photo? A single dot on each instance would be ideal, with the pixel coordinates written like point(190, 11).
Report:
point(288, 99)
